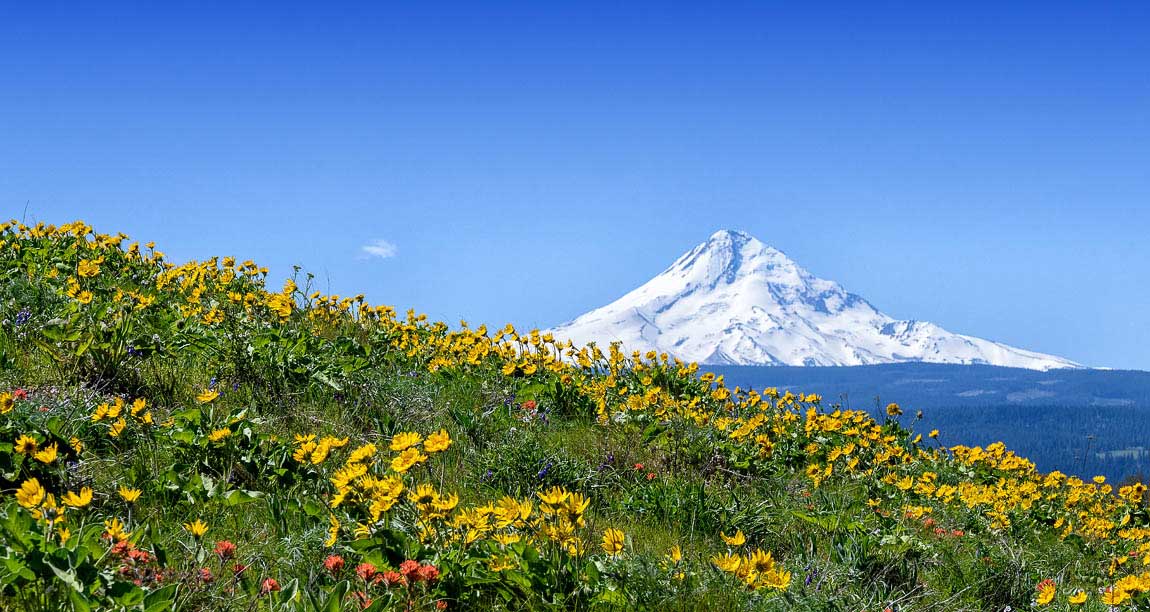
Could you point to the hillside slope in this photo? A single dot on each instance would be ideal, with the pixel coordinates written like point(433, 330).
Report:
point(187, 437)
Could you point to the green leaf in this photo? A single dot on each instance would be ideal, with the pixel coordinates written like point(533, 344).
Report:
point(59, 330)
point(327, 380)
point(17, 569)
point(79, 602)
point(208, 483)
point(68, 577)
point(191, 415)
point(161, 599)
point(83, 346)
point(289, 590)
point(334, 601)
point(186, 436)
point(313, 508)
point(591, 570)
point(126, 594)
point(236, 497)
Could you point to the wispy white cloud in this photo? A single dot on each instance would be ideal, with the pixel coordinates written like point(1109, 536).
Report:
point(379, 248)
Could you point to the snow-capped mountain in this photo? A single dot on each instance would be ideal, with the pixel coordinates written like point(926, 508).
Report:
point(734, 300)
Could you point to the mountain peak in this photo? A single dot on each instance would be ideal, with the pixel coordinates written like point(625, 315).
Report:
point(731, 235)
point(741, 241)
point(734, 299)
point(736, 240)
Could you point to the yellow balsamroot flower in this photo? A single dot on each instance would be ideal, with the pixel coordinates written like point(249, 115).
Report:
point(7, 402)
point(574, 507)
point(84, 297)
point(320, 452)
point(438, 441)
point(446, 503)
point(508, 512)
point(207, 395)
point(554, 496)
point(49, 511)
point(304, 448)
point(47, 454)
point(30, 494)
point(197, 528)
point(612, 542)
point(63, 533)
point(77, 444)
point(1132, 493)
point(728, 563)
point(280, 305)
point(1077, 599)
point(117, 428)
point(138, 406)
point(423, 495)
point(114, 530)
point(500, 563)
point(759, 571)
point(1114, 596)
point(26, 445)
point(893, 409)
point(506, 539)
point(78, 500)
point(675, 554)
point(89, 268)
point(219, 434)
point(1044, 592)
point(129, 495)
point(405, 440)
point(361, 454)
point(382, 503)
point(736, 540)
point(403, 462)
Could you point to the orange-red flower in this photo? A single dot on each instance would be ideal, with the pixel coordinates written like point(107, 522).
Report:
point(409, 568)
point(365, 571)
point(333, 564)
point(225, 549)
point(427, 573)
point(393, 578)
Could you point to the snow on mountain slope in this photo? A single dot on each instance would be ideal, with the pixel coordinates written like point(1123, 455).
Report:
point(734, 300)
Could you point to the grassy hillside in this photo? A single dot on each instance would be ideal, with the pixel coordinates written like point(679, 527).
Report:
point(189, 436)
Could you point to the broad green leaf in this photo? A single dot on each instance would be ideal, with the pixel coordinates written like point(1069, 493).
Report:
point(236, 497)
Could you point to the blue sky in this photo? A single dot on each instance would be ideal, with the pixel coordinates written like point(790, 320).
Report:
point(984, 167)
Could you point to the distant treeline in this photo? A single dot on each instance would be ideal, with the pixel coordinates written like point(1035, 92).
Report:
point(1080, 440)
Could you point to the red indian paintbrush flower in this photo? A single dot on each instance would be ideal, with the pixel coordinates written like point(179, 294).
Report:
point(365, 571)
point(409, 568)
point(333, 564)
point(427, 573)
point(225, 549)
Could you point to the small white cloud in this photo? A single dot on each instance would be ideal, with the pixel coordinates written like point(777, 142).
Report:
point(379, 248)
